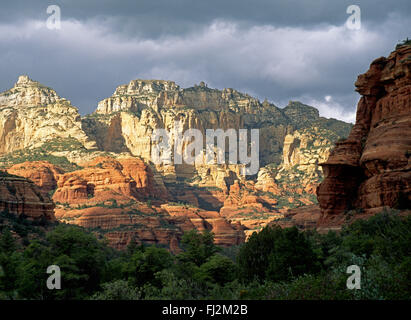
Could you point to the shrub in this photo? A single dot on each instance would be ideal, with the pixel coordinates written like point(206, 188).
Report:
point(145, 263)
point(218, 269)
point(198, 247)
point(117, 290)
point(277, 254)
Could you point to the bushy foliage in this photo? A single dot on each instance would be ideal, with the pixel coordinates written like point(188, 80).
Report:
point(277, 254)
point(197, 247)
point(145, 263)
point(217, 269)
point(117, 290)
point(274, 264)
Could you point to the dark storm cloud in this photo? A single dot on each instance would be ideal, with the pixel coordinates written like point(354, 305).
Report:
point(279, 50)
point(157, 17)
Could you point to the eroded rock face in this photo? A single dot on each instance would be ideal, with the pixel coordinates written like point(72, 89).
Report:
point(266, 182)
point(371, 169)
point(126, 120)
point(302, 152)
point(108, 183)
point(31, 114)
point(225, 232)
point(135, 223)
point(22, 197)
point(143, 106)
point(44, 174)
point(303, 218)
point(37, 123)
point(121, 199)
point(106, 178)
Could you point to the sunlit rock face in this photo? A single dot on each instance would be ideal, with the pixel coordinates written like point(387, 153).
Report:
point(126, 121)
point(32, 114)
point(99, 172)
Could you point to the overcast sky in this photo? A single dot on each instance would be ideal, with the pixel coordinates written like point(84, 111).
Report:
point(279, 50)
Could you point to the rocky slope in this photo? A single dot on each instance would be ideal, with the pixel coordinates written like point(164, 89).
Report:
point(31, 114)
point(125, 121)
point(44, 174)
point(370, 170)
point(22, 197)
point(98, 168)
point(121, 200)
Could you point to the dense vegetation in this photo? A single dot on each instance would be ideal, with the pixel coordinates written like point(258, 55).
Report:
point(274, 264)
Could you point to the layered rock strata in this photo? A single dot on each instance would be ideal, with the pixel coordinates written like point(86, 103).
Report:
point(22, 197)
point(371, 169)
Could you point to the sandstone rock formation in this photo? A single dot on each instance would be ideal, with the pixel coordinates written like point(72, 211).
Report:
point(120, 199)
point(125, 122)
point(99, 167)
point(266, 182)
point(22, 197)
point(303, 218)
point(106, 178)
point(370, 170)
point(302, 152)
point(44, 174)
point(31, 114)
point(122, 126)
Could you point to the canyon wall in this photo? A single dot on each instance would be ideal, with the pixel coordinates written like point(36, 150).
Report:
point(22, 197)
point(370, 170)
point(99, 173)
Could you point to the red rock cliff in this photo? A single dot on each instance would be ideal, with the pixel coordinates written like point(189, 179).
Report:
point(44, 174)
point(370, 170)
point(22, 197)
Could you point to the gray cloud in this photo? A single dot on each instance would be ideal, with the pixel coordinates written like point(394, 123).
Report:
point(279, 50)
point(156, 17)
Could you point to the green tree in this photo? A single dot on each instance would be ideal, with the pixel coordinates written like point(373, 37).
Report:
point(276, 254)
point(117, 290)
point(7, 242)
point(292, 256)
point(386, 234)
point(218, 269)
point(81, 258)
point(172, 287)
point(198, 247)
point(9, 263)
point(145, 263)
point(253, 257)
point(32, 272)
